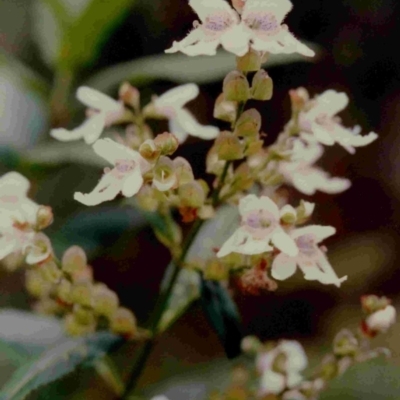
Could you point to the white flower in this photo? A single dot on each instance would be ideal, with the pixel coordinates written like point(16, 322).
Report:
point(382, 320)
point(281, 367)
point(260, 225)
point(103, 112)
point(18, 217)
point(263, 20)
point(219, 25)
point(301, 173)
point(125, 177)
point(320, 124)
point(170, 105)
point(310, 259)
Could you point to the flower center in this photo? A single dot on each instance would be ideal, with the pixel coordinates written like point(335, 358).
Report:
point(216, 24)
point(259, 223)
point(325, 120)
point(266, 23)
point(306, 244)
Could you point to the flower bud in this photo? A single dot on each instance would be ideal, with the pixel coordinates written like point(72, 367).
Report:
point(105, 301)
point(251, 61)
point(225, 110)
point(39, 250)
point(146, 198)
point(164, 175)
point(238, 4)
point(329, 367)
point(64, 289)
point(236, 87)
point(271, 178)
point(242, 179)
point(248, 124)
point(229, 147)
point(345, 343)
point(44, 217)
point(216, 271)
point(183, 171)
point(191, 195)
point(304, 211)
point(83, 315)
point(289, 215)
point(47, 306)
point(149, 151)
point(371, 303)
point(74, 328)
point(262, 86)
point(298, 97)
point(36, 285)
point(130, 95)
point(251, 345)
point(83, 276)
point(74, 260)
point(213, 164)
point(253, 147)
point(167, 143)
point(50, 272)
point(382, 320)
point(123, 322)
point(81, 293)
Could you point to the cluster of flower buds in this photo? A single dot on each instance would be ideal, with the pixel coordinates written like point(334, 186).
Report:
point(67, 289)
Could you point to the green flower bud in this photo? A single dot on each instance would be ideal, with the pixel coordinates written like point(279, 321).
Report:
point(250, 62)
point(64, 289)
point(50, 272)
point(47, 306)
point(248, 124)
point(105, 301)
point(130, 95)
point(225, 110)
point(183, 171)
point(271, 178)
point(251, 345)
point(167, 143)
point(299, 98)
point(242, 179)
point(236, 87)
point(229, 147)
point(149, 151)
point(74, 328)
point(213, 164)
point(304, 211)
point(36, 285)
point(262, 86)
point(216, 271)
point(164, 174)
point(81, 293)
point(83, 315)
point(192, 195)
point(147, 199)
point(253, 147)
point(74, 260)
point(123, 322)
point(44, 217)
point(345, 344)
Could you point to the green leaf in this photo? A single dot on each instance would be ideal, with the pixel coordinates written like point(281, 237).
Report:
point(57, 362)
point(371, 380)
point(70, 33)
point(179, 68)
point(223, 315)
point(106, 368)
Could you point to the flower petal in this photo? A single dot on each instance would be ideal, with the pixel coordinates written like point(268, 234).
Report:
point(283, 267)
point(295, 353)
point(230, 246)
point(279, 8)
point(322, 135)
point(194, 36)
point(132, 183)
point(107, 189)
point(319, 231)
point(236, 40)
point(202, 47)
point(94, 99)
point(284, 242)
point(178, 96)
point(272, 382)
point(205, 8)
point(13, 183)
point(189, 124)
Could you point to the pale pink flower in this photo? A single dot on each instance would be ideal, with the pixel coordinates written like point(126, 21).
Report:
point(260, 225)
point(263, 20)
point(302, 174)
point(319, 123)
point(125, 177)
point(103, 111)
point(181, 121)
point(275, 381)
point(219, 25)
point(310, 258)
point(382, 320)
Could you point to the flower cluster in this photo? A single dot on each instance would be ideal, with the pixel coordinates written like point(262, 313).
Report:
point(255, 24)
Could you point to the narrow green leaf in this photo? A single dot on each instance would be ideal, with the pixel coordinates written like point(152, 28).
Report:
point(56, 363)
point(179, 68)
point(222, 313)
point(106, 368)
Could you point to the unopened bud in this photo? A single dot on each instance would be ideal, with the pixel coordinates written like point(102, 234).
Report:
point(191, 195)
point(262, 86)
point(149, 151)
point(74, 260)
point(372, 303)
point(229, 147)
point(146, 198)
point(216, 271)
point(84, 315)
point(304, 211)
point(47, 306)
point(289, 215)
point(251, 345)
point(164, 174)
point(271, 178)
point(64, 289)
point(236, 87)
point(251, 61)
point(248, 124)
point(74, 328)
point(167, 143)
point(105, 301)
point(213, 164)
point(39, 250)
point(50, 272)
point(345, 343)
point(44, 217)
point(298, 97)
point(183, 171)
point(225, 110)
point(130, 95)
point(243, 179)
point(253, 147)
point(83, 276)
point(82, 294)
point(36, 285)
point(382, 320)
point(123, 322)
